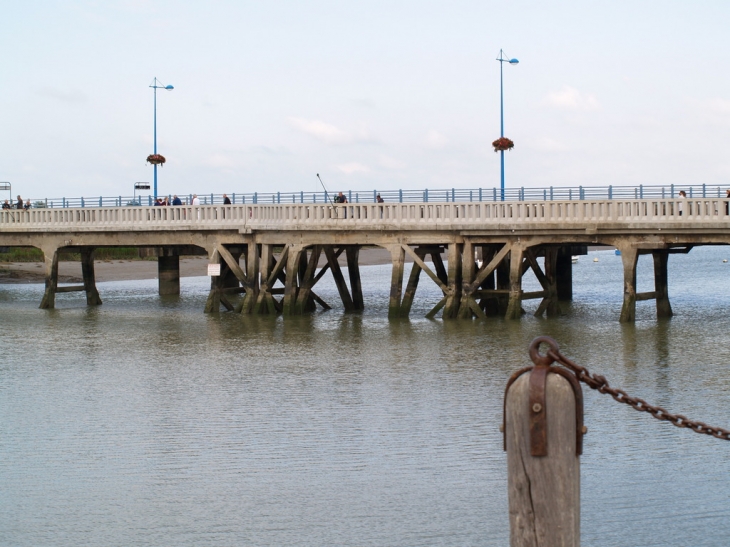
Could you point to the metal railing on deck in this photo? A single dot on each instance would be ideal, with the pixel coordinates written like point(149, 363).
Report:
point(453, 195)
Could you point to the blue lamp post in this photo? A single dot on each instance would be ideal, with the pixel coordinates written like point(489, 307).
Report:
point(156, 84)
point(502, 60)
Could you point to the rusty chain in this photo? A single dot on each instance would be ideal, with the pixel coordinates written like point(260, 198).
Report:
point(600, 384)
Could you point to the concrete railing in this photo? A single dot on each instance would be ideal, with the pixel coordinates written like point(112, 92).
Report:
point(421, 216)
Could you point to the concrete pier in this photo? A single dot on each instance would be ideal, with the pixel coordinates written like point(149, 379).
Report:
point(271, 257)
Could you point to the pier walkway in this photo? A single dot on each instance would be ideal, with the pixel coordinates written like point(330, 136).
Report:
point(270, 255)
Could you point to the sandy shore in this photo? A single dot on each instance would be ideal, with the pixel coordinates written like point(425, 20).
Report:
point(126, 270)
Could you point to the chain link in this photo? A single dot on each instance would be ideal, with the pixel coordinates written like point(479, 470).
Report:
point(600, 384)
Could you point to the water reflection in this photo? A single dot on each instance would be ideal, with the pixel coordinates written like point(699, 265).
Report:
point(148, 422)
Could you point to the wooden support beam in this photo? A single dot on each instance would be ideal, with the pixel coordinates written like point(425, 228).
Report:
point(491, 266)
point(291, 289)
point(451, 308)
point(629, 258)
point(411, 286)
point(398, 256)
point(438, 264)
point(564, 274)
point(353, 272)
point(70, 288)
point(87, 271)
point(549, 302)
point(649, 295)
point(306, 281)
point(49, 297)
point(232, 264)
point(516, 269)
point(253, 274)
point(468, 273)
point(436, 308)
point(339, 278)
point(213, 304)
point(326, 267)
point(488, 303)
point(419, 260)
point(661, 283)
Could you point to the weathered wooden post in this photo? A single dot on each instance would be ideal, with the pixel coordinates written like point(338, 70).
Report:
point(543, 436)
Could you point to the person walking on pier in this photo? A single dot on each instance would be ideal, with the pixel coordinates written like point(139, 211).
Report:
point(196, 200)
point(226, 200)
point(27, 204)
point(6, 205)
point(379, 199)
point(19, 205)
point(680, 205)
point(176, 200)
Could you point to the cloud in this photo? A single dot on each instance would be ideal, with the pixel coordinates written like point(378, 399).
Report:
point(324, 132)
point(570, 98)
point(435, 140)
point(220, 161)
point(549, 145)
point(391, 163)
point(719, 106)
point(353, 167)
point(73, 96)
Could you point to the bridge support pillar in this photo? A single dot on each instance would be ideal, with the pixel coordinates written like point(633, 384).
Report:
point(564, 274)
point(87, 270)
point(661, 284)
point(353, 271)
point(168, 275)
point(398, 256)
point(453, 298)
point(629, 257)
point(51, 263)
point(514, 305)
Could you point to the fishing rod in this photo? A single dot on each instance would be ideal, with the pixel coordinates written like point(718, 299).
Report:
point(327, 194)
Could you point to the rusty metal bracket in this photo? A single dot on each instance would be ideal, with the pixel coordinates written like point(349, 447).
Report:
point(537, 403)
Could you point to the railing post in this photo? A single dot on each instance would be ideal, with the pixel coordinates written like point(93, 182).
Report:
point(610, 192)
point(278, 197)
point(83, 204)
point(325, 196)
point(671, 189)
point(301, 196)
point(400, 196)
point(690, 191)
point(494, 194)
point(233, 198)
point(641, 191)
point(453, 196)
point(551, 193)
point(255, 198)
point(349, 196)
point(581, 193)
point(211, 199)
point(470, 199)
point(570, 194)
point(100, 201)
point(480, 194)
point(425, 195)
point(704, 193)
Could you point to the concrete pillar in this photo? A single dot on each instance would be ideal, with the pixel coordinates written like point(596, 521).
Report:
point(514, 306)
point(51, 262)
point(629, 257)
point(661, 283)
point(168, 275)
point(564, 274)
point(398, 256)
point(87, 270)
point(451, 309)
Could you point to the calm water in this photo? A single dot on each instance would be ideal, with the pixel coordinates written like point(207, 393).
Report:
point(146, 422)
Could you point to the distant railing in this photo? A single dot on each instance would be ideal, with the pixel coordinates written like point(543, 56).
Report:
point(392, 216)
point(453, 195)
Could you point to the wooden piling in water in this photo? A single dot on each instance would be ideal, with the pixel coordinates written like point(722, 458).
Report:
point(398, 257)
point(543, 491)
point(87, 271)
point(629, 259)
point(51, 263)
point(661, 283)
point(514, 305)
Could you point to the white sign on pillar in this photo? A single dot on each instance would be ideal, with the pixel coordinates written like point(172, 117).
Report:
point(214, 270)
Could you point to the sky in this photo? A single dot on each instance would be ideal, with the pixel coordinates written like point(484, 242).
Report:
point(370, 95)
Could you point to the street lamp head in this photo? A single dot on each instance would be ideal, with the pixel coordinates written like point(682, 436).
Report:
point(513, 61)
point(170, 87)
